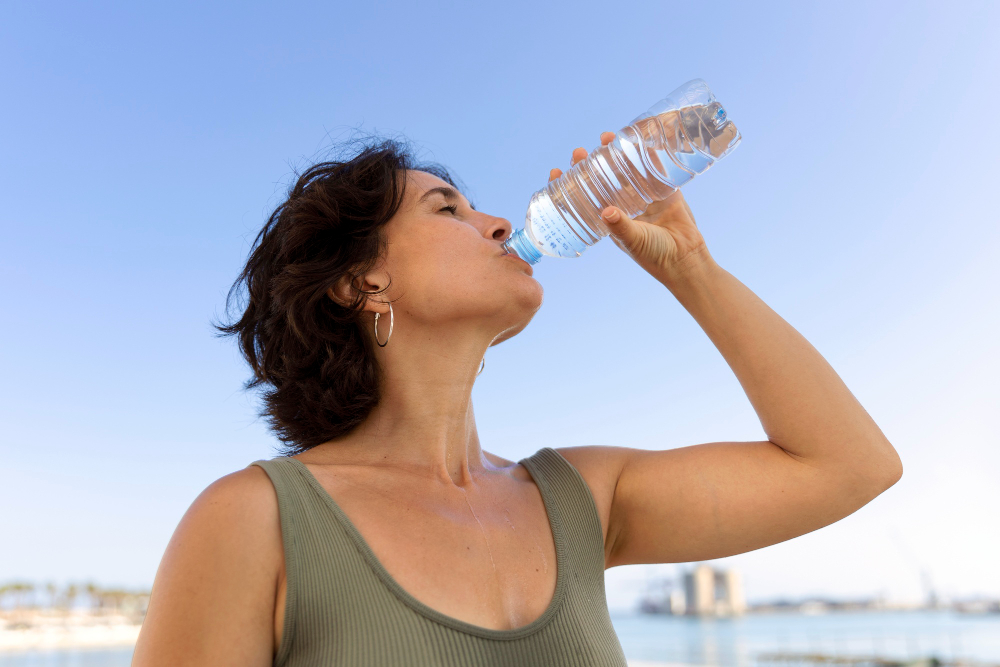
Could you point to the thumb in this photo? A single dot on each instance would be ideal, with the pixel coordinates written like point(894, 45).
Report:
point(620, 225)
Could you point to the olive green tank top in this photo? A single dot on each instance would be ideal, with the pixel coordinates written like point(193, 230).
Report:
point(344, 608)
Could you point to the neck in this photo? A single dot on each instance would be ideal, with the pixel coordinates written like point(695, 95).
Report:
point(424, 421)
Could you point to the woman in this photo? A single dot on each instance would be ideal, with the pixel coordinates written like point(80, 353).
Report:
point(388, 536)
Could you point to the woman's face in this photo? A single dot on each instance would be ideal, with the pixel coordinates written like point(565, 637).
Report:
point(447, 264)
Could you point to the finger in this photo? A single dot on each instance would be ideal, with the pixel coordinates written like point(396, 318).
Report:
point(606, 138)
point(554, 174)
point(623, 229)
point(578, 154)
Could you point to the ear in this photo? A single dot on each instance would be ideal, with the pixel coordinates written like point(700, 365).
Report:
point(342, 292)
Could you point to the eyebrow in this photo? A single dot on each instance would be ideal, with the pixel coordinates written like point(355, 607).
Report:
point(448, 193)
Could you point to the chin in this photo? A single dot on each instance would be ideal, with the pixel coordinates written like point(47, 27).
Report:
point(530, 296)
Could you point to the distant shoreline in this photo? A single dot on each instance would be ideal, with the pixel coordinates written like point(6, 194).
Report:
point(28, 631)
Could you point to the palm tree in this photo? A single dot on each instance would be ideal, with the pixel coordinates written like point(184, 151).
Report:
point(94, 596)
point(70, 595)
point(21, 590)
point(51, 591)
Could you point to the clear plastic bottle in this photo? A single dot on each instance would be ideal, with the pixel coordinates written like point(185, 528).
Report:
point(680, 136)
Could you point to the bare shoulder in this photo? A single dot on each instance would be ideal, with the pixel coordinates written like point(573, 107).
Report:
point(600, 467)
point(246, 496)
point(214, 594)
point(235, 512)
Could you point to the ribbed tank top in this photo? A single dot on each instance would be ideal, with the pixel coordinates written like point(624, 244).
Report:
point(344, 608)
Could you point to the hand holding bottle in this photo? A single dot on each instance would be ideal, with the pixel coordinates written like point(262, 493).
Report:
point(664, 239)
point(637, 172)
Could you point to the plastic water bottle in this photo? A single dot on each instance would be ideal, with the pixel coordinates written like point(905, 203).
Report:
point(680, 136)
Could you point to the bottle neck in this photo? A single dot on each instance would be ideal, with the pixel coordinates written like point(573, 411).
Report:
point(519, 244)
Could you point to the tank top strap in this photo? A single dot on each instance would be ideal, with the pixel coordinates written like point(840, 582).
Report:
point(322, 564)
point(291, 503)
point(577, 511)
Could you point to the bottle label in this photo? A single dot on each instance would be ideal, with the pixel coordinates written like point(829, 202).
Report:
point(551, 232)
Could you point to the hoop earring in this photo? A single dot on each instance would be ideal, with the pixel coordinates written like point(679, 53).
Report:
point(482, 364)
point(390, 328)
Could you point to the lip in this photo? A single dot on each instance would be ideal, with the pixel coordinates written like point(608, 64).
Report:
point(513, 256)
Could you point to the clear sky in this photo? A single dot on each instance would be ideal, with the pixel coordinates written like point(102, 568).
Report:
point(142, 147)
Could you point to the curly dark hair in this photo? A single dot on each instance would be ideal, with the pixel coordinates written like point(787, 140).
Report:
point(312, 356)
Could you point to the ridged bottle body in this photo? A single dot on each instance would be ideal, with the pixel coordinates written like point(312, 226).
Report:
point(678, 138)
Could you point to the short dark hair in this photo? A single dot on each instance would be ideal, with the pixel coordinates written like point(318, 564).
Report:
point(312, 355)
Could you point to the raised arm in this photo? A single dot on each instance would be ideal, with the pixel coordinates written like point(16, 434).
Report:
point(824, 457)
point(215, 592)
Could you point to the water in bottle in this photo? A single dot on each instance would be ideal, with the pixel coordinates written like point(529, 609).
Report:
point(678, 138)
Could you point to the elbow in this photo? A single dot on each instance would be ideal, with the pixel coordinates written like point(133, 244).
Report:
point(898, 474)
point(890, 470)
point(891, 480)
point(879, 464)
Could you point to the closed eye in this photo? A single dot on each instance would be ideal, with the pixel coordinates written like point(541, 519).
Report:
point(452, 208)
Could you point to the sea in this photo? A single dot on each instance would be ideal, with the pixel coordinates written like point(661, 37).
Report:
point(753, 640)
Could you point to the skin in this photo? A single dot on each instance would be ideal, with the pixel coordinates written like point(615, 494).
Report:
point(465, 531)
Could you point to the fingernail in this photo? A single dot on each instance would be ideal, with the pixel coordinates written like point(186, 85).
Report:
point(611, 214)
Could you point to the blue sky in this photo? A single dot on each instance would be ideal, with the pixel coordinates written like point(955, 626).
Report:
point(143, 147)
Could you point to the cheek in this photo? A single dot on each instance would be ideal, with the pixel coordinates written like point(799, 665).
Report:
point(441, 258)
point(435, 245)
point(442, 270)
point(441, 280)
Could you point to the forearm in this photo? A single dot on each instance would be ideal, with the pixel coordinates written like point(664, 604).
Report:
point(803, 405)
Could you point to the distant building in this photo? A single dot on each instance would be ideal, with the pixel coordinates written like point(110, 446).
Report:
point(710, 592)
point(663, 598)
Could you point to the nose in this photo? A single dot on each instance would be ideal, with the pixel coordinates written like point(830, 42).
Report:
point(499, 229)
